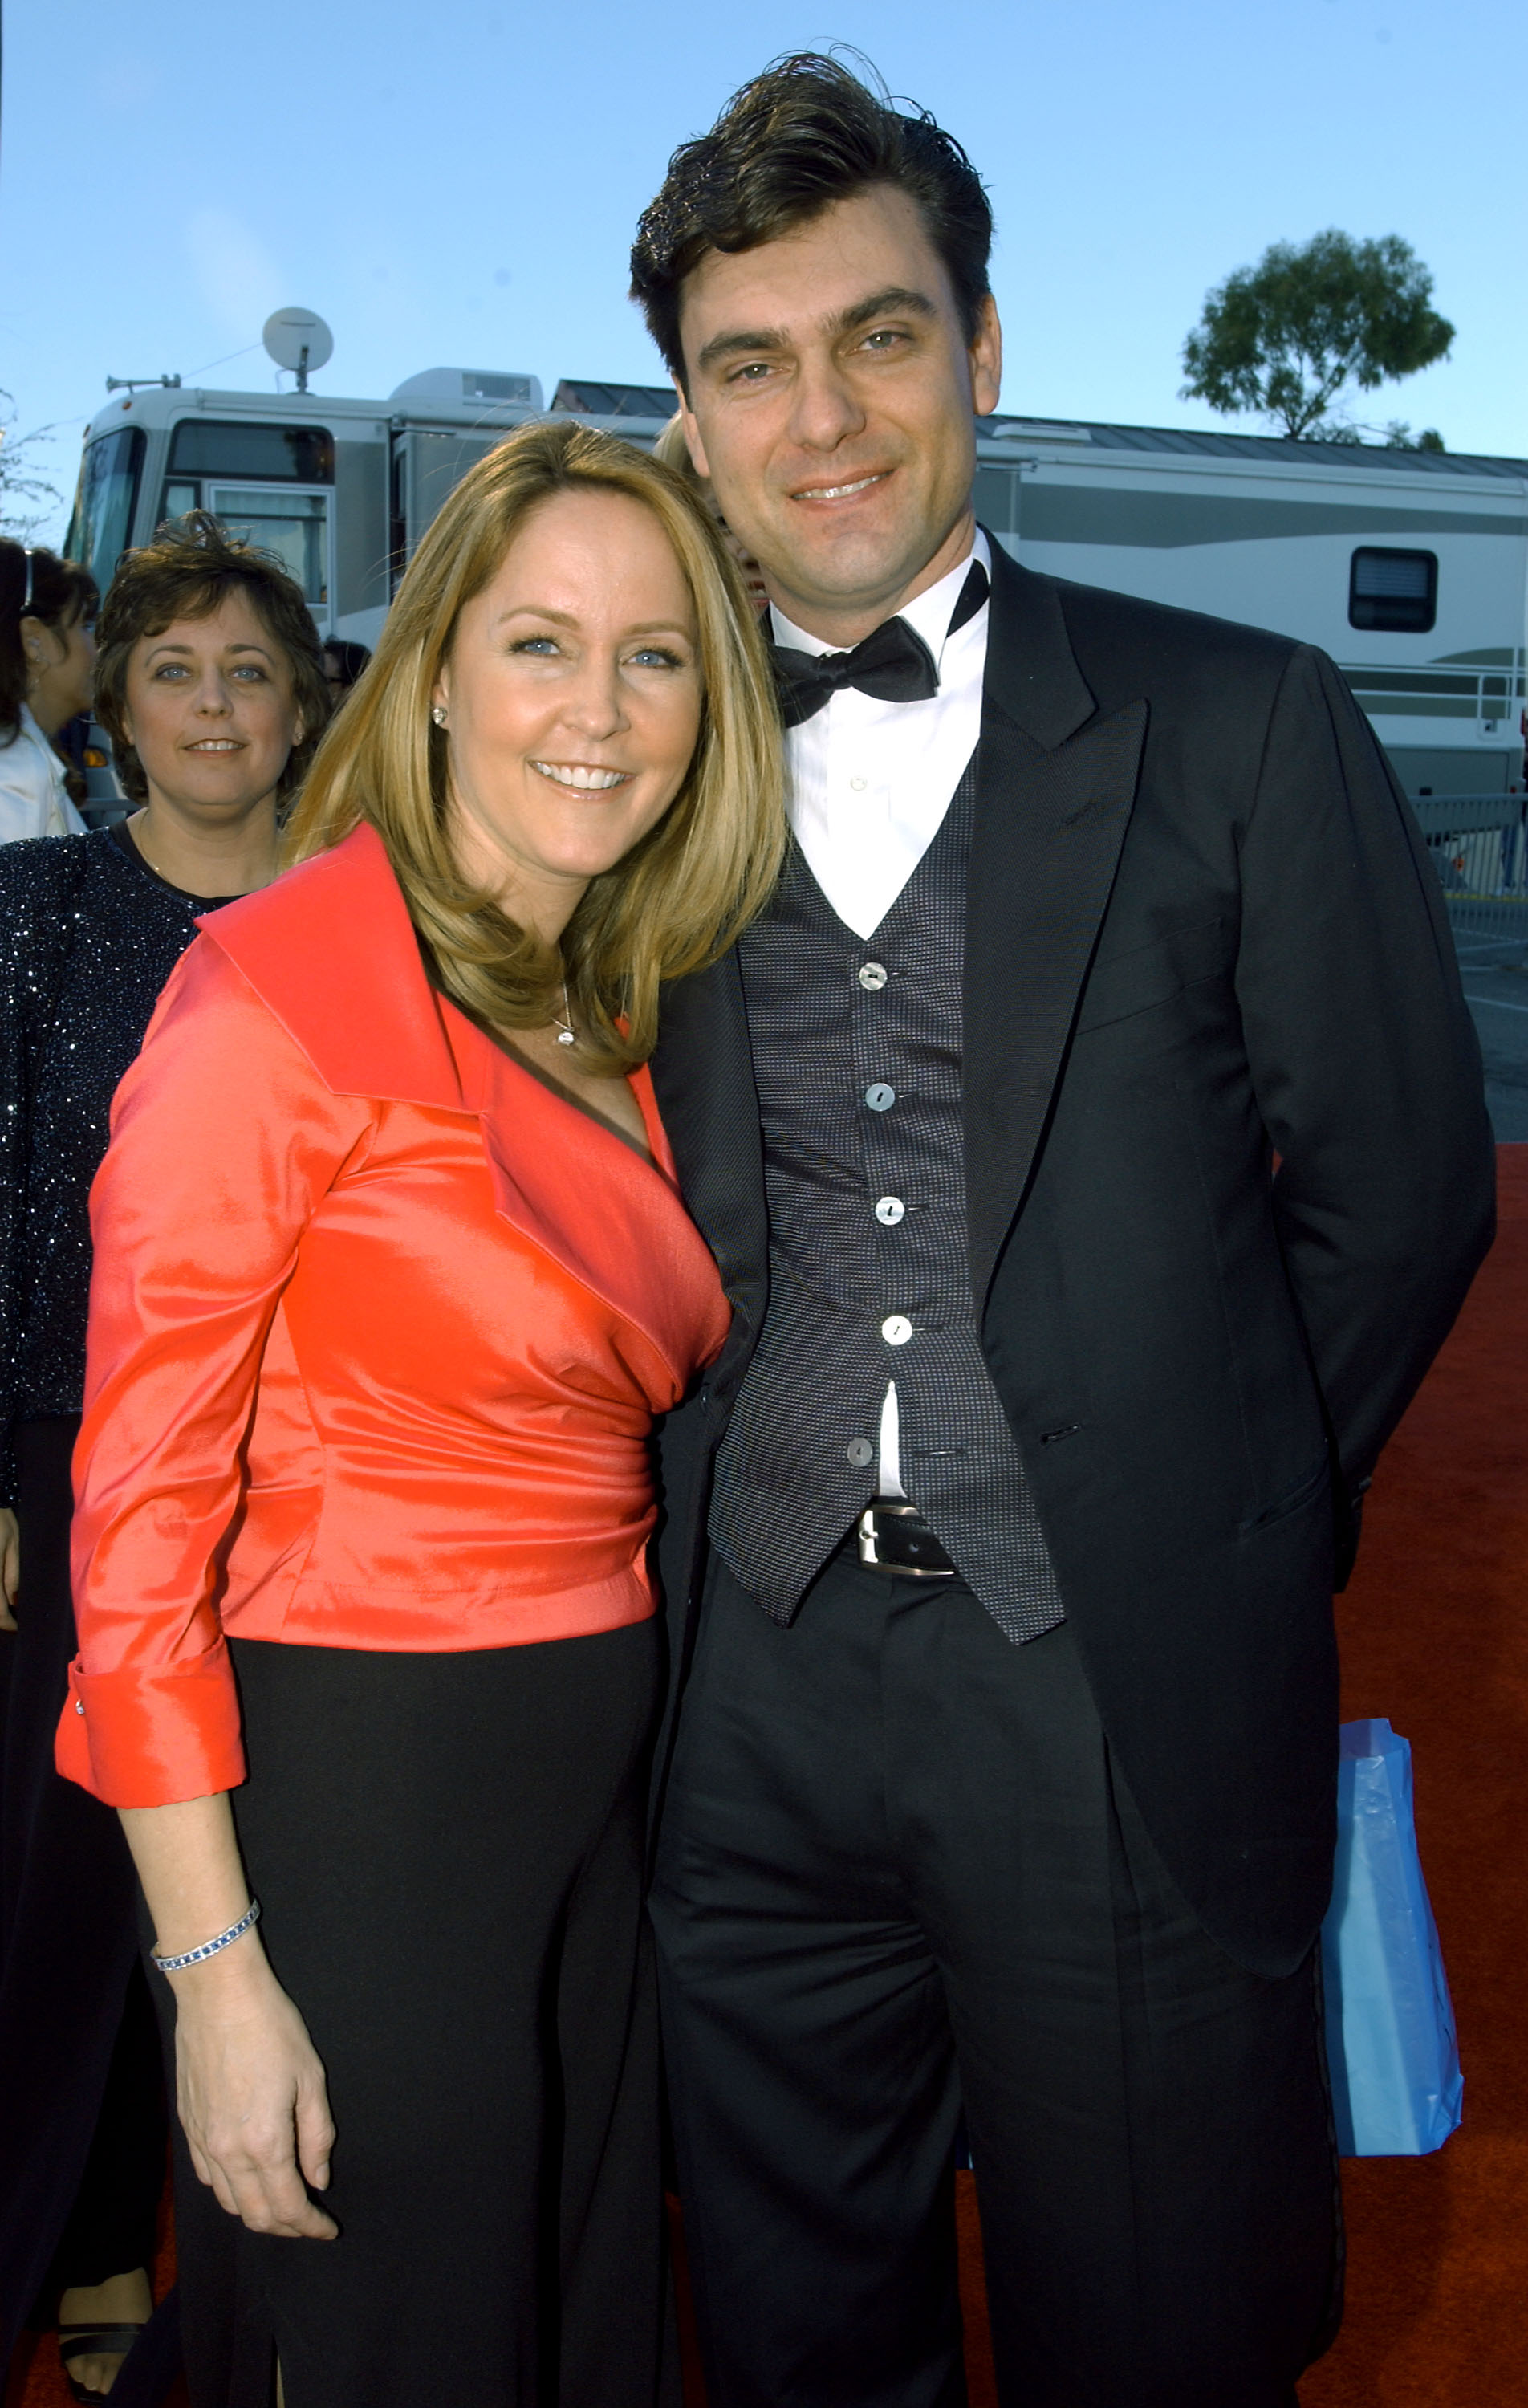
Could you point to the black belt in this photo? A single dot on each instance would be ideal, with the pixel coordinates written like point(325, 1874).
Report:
point(892, 1536)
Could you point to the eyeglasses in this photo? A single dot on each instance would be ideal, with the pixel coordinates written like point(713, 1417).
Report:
point(26, 605)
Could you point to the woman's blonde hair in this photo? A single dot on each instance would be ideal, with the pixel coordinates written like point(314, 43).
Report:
point(681, 895)
point(673, 451)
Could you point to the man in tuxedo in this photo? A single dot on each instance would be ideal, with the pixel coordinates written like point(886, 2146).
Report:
point(1091, 1136)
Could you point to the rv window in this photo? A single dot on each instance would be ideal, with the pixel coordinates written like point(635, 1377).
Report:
point(1393, 592)
point(102, 527)
point(295, 526)
point(304, 456)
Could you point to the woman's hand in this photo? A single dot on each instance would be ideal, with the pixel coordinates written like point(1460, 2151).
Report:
point(250, 2084)
point(251, 2096)
point(10, 1567)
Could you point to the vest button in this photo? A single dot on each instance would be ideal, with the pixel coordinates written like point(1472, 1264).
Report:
point(881, 1098)
point(890, 1210)
point(860, 1452)
point(873, 977)
point(896, 1329)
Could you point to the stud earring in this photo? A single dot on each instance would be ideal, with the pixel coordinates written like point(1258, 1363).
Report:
point(437, 713)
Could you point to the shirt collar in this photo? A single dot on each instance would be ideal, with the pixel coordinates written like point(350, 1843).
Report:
point(27, 726)
point(929, 616)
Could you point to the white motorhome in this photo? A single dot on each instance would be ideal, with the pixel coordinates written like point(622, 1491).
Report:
point(342, 490)
point(1409, 568)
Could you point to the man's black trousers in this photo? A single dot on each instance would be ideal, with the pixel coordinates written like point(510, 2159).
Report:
point(900, 1876)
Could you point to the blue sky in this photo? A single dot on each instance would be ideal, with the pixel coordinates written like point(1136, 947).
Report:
point(457, 183)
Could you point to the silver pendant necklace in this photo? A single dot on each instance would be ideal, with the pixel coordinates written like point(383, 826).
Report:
point(567, 1033)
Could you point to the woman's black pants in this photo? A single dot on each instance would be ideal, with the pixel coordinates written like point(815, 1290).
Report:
point(448, 1852)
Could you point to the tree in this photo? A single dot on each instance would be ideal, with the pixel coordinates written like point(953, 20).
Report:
point(1288, 336)
point(20, 481)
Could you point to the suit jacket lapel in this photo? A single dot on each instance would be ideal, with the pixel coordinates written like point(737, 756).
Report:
point(703, 1076)
point(1054, 789)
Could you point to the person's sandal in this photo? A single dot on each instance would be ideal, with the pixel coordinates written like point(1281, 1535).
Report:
point(94, 2341)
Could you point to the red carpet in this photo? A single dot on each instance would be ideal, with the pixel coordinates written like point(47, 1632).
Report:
point(1435, 1634)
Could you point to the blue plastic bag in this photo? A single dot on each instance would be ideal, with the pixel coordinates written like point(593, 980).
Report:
point(1397, 2087)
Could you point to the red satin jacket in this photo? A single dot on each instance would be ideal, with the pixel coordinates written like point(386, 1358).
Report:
point(378, 1328)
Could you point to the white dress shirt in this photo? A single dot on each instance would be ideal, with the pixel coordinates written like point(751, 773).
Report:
point(34, 799)
point(870, 783)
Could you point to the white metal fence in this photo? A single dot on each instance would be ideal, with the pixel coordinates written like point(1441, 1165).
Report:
point(1479, 848)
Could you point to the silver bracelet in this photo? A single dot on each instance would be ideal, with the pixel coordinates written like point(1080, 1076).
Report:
point(209, 1947)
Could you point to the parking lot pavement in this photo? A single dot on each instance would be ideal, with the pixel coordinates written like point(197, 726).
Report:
point(1498, 998)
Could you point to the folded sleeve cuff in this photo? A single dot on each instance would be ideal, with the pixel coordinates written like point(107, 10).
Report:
point(152, 1736)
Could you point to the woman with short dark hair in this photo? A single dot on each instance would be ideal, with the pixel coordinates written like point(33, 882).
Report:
point(46, 657)
point(190, 575)
point(212, 692)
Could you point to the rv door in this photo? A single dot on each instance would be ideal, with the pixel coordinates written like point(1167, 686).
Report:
point(427, 465)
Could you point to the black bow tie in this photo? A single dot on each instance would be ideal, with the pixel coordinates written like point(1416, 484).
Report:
point(893, 664)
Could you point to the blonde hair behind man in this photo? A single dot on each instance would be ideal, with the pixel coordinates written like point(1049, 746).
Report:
point(673, 451)
point(675, 902)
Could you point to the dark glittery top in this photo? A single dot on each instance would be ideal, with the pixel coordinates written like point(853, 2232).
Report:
point(89, 934)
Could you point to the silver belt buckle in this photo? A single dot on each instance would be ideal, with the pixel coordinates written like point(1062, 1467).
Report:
point(866, 1534)
point(864, 1531)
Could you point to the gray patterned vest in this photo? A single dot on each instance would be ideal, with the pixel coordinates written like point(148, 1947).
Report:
point(857, 1049)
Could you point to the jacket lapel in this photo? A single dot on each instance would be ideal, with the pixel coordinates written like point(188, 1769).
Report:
point(330, 950)
point(1054, 790)
point(703, 1076)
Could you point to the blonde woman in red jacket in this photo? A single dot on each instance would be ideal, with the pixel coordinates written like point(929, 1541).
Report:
point(391, 1279)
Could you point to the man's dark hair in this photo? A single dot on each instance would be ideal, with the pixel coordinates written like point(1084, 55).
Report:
point(803, 135)
point(188, 572)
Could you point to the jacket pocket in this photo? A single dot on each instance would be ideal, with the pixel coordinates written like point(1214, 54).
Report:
point(1122, 984)
point(1304, 1492)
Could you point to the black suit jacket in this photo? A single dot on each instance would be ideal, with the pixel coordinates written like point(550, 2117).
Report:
point(1203, 932)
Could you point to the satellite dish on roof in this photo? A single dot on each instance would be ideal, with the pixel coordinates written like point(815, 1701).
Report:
point(298, 339)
